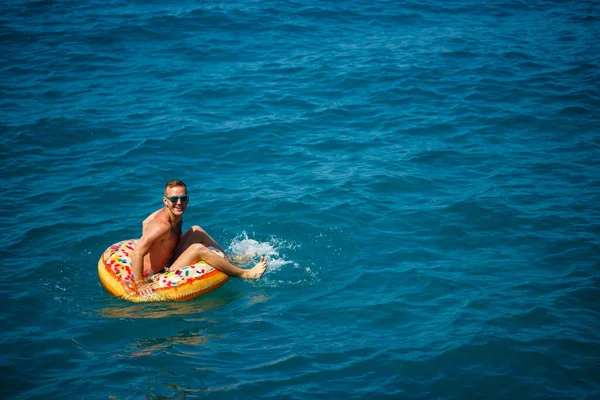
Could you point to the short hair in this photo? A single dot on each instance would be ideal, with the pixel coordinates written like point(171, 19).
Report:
point(174, 183)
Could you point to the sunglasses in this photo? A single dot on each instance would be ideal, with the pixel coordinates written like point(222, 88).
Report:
point(175, 199)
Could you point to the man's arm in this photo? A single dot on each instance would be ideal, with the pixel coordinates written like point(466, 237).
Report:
point(149, 238)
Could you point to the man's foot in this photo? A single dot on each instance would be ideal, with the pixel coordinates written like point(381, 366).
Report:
point(257, 271)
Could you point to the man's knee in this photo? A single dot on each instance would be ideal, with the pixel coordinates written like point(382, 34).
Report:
point(200, 235)
point(196, 228)
point(198, 250)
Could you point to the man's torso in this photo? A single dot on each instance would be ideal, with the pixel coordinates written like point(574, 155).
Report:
point(161, 253)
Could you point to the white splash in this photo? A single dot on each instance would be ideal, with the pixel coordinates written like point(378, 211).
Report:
point(273, 250)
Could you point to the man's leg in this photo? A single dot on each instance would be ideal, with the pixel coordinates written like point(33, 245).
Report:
point(194, 235)
point(193, 248)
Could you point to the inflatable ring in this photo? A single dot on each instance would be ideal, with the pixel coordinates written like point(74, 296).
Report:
point(114, 269)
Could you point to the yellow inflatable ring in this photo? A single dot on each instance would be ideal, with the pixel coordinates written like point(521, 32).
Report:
point(114, 269)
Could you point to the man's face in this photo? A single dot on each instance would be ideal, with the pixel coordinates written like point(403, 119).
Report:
point(173, 199)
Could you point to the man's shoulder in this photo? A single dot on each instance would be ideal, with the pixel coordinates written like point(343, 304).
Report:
point(157, 221)
point(161, 218)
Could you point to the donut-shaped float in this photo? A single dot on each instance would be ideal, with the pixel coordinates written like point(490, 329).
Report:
point(114, 269)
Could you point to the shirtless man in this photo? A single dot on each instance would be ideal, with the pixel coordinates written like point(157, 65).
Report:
point(162, 245)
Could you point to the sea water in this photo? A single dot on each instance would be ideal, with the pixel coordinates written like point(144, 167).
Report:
point(422, 177)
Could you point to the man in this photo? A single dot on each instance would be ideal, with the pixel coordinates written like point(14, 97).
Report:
point(163, 246)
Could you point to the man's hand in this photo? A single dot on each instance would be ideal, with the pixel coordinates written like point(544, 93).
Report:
point(144, 289)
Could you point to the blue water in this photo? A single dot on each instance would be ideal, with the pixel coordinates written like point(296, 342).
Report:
point(422, 176)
